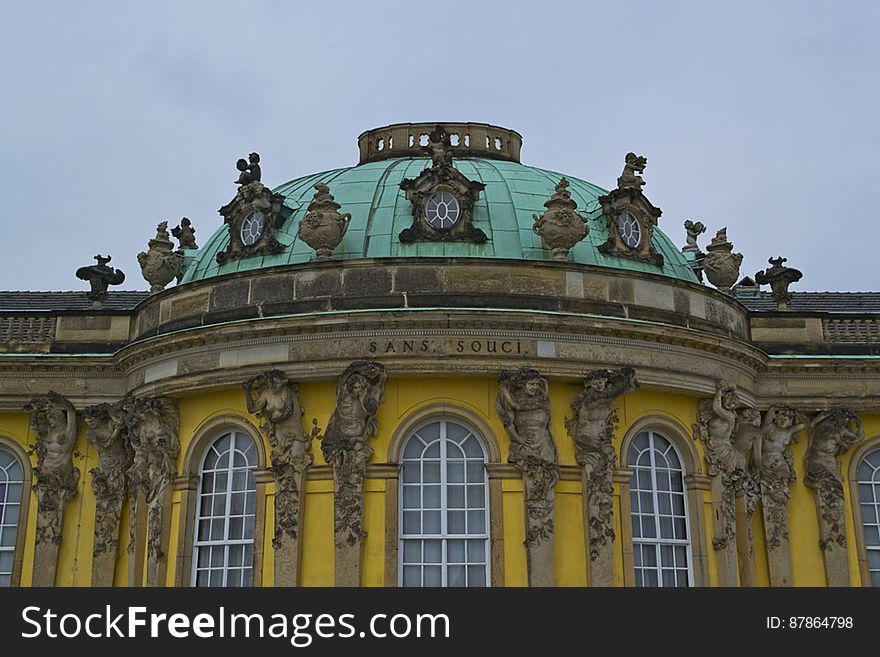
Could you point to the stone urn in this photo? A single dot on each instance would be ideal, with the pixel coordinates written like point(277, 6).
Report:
point(160, 264)
point(720, 264)
point(323, 227)
point(560, 226)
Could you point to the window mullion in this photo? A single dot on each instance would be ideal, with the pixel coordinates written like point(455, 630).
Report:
point(227, 521)
point(443, 503)
point(656, 503)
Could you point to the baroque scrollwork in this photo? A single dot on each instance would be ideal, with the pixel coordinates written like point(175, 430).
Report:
point(457, 191)
point(779, 278)
point(523, 404)
point(107, 432)
point(345, 444)
point(832, 434)
point(153, 432)
point(592, 429)
point(275, 400)
point(253, 217)
point(99, 277)
point(54, 420)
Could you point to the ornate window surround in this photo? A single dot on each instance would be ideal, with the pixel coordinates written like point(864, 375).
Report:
point(858, 454)
point(695, 484)
point(187, 483)
point(27, 478)
point(496, 471)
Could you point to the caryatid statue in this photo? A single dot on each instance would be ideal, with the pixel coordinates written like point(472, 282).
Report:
point(832, 434)
point(775, 466)
point(523, 404)
point(715, 426)
point(54, 420)
point(747, 438)
point(153, 432)
point(592, 429)
point(107, 432)
point(345, 446)
point(275, 400)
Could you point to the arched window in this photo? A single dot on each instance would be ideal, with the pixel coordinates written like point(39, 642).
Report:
point(444, 528)
point(661, 543)
point(223, 549)
point(10, 505)
point(869, 497)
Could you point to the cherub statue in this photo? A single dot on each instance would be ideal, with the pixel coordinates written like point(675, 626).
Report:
point(185, 234)
point(250, 171)
point(440, 147)
point(629, 179)
point(694, 230)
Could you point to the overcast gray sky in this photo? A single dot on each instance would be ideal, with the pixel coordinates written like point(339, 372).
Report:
point(758, 116)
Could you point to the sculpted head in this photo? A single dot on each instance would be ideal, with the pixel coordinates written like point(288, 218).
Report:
point(529, 384)
point(751, 416)
point(274, 379)
point(729, 400)
point(103, 424)
point(785, 418)
point(597, 380)
point(357, 384)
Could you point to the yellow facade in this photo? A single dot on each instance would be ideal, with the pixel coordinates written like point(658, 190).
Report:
point(465, 397)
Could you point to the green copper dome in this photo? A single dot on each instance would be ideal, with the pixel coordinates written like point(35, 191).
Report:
point(379, 211)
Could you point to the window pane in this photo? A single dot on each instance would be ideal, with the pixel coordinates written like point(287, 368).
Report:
point(412, 551)
point(433, 576)
point(455, 551)
point(476, 575)
point(412, 576)
point(411, 497)
point(433, 551)
point(455, 576)
point(431, 497)
point(456, 522)
point(476, 551)
point(476, 496)
point(431, 522)
point(455, 497)
point(476, 522)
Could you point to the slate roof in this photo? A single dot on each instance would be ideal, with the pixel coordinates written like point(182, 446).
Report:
point(50, 301)
point(855, 303)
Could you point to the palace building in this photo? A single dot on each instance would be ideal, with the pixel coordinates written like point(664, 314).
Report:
point(440, 367)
